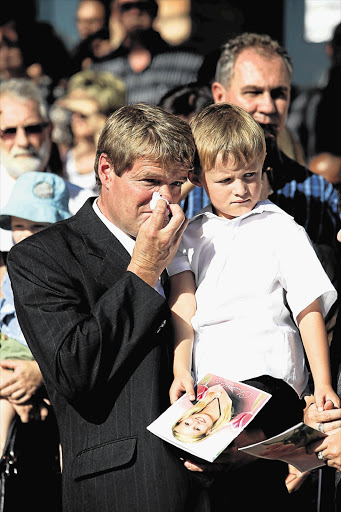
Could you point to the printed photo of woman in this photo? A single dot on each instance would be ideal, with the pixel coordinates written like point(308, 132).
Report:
point(212, 411)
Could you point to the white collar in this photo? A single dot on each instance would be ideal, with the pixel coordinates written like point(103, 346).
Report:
point(260, 207)
point(127, 242)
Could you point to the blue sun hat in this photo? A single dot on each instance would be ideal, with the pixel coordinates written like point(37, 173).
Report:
point(39, 197)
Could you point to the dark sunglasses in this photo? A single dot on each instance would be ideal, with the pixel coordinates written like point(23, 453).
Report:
point(30, 129)
point(143, 6)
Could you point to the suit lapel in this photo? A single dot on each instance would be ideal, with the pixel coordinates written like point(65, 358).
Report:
point(107, 259)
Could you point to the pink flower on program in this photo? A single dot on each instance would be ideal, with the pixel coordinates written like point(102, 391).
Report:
point(241, 420)
point(201, 392)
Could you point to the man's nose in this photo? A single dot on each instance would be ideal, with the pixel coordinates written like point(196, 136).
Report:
point(267, 103)
point(165, 191)
point(24, 233)
point(21, 138)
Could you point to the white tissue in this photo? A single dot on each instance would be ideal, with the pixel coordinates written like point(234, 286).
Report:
point(156, 196)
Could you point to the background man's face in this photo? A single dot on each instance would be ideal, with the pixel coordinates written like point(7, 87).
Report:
point(261, 86)
point(25, 141)
point(90, 18)
point(135, 15)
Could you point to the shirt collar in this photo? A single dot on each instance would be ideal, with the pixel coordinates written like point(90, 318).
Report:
point(261, 206)
point(127, 242)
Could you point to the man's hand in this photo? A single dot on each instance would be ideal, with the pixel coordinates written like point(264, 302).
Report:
point(330, 418)
point(231, 458)
point(157, 243)
point(295, 478)
point(19, 380)
point(330, 446)
point(35, 411)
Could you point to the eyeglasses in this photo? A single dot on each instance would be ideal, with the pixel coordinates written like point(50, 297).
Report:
point(30, 129)
point(143, 6)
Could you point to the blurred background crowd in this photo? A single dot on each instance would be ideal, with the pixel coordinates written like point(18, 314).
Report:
point(88, 57)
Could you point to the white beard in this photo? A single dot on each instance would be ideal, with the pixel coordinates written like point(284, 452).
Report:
point(35, 160)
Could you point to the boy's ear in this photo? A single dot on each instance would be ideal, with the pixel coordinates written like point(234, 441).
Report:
point(193, 178)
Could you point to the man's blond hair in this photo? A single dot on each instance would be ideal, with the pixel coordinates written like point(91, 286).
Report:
point(145, 131)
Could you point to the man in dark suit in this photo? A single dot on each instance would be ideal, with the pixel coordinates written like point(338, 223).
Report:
point(92, 307)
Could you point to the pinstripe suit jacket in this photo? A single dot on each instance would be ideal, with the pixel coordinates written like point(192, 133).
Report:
point(101, 337)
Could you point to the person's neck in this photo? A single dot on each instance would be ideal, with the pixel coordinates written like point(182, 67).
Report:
point(139, 57)
point(212, 409)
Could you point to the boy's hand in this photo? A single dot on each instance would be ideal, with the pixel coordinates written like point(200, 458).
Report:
point(325, 394)
point(330, 417)
point(183, 383)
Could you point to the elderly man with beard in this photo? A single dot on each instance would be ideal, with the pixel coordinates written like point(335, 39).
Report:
point(25, 145)
point(25, 142)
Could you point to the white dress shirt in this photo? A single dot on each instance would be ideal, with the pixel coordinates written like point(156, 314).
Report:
point(251, 273)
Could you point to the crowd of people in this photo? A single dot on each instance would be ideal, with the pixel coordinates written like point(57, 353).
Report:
point(112, 307)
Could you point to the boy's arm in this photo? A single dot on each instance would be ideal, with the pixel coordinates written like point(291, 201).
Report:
point(313, 332)
point(183, 305)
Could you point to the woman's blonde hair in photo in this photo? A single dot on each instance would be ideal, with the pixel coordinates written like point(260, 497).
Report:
point(225, 417)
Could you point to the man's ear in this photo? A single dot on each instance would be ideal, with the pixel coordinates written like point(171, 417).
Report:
point(218, 92)
point(193, 178)
point(49, 128)
point(104, 169)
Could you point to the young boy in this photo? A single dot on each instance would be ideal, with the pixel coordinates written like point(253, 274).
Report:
point(37, 201)
point(258, 287)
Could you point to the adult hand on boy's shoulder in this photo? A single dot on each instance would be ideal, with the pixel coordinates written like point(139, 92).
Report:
point(231, 458)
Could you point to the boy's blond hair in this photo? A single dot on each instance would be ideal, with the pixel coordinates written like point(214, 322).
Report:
point(226, 130)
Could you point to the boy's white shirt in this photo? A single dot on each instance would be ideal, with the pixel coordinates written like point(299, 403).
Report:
point(245, 269)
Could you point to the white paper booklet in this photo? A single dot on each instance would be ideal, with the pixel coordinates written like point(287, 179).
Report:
point(222, 410)
point(289, 446)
